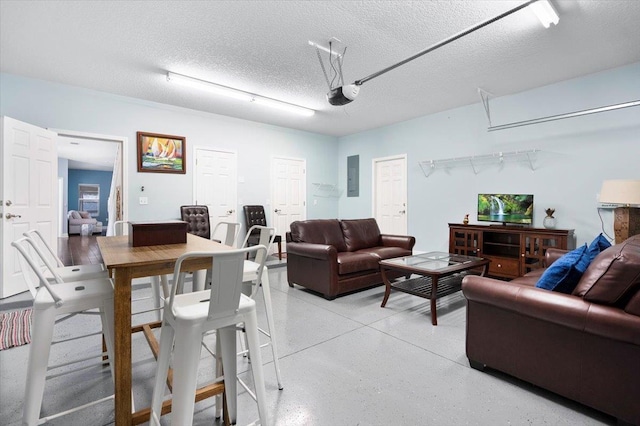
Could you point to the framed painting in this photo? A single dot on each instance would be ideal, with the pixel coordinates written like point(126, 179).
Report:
point(161, 153)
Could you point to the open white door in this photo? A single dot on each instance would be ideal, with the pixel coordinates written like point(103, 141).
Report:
point(29, 185)
point(288, 188)
point(216, 185)
point(390, 194)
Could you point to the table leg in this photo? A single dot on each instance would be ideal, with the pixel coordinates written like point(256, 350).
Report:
point(434, 296)
point(387, 287)
point(485, 268)
point(122, 346)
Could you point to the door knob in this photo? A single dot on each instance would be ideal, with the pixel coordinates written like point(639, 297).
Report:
point(11, 216)
point(402, 211)
point(8, 203)
point(230, 211)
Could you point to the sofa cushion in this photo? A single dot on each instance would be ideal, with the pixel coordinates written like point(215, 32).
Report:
point(633, 307)
point(613, 274)
point(349, 262)
point(386, 252)
point(360, 233)
point(74, 215)
point(597, 246)
point(563, 274)
point(319, 231)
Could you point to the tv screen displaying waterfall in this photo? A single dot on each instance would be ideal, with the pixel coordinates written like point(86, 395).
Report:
point(505, 208)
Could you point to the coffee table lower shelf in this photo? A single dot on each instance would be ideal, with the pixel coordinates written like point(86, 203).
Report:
point(421, 286)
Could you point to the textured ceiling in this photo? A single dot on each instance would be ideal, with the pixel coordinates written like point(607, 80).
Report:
point(262, 47)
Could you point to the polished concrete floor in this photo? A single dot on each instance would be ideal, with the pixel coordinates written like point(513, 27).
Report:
point(343, 362)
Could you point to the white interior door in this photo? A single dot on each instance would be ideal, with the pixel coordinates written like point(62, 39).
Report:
point(390, 194)
point(288, 188)
point(29, 185)
point(216, 185)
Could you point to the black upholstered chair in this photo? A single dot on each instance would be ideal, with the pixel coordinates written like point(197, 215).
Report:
point(197, 218)
point(254, 215)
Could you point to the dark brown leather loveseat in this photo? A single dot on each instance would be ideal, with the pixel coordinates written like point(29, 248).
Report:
point(584, 346)
point(333, 257)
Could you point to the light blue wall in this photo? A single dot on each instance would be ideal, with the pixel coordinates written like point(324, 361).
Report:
point(65, 107)
point(99, 177)
point(577, 155)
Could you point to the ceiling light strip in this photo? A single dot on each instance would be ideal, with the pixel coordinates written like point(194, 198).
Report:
point(238, 94)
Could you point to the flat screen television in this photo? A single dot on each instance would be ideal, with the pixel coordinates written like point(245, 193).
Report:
point(505, 208)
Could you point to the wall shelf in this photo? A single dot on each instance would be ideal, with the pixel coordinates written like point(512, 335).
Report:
point(326, 190)
point(475, 162)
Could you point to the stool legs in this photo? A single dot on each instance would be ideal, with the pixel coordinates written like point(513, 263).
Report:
point(266, 289)
point(166, 344)
point(227, 336)
point(185, 373)
point(251, 325)
point(43, 322)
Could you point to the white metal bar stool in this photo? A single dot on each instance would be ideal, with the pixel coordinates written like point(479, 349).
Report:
point(188, 316)
point(231, 231)
point(259, 278)
point(50, 301)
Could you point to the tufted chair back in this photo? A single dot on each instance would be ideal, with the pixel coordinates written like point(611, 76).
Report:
point(197, 218)
point(254, 215)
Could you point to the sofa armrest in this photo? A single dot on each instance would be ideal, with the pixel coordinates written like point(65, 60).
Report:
point(315, 251)
point(403, 241)
point(552, 255)
point(558, 308)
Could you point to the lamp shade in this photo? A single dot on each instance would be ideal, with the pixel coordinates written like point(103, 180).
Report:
point(622, 192)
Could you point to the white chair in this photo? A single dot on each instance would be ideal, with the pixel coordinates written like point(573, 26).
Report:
point(258, 277)
point(232, 229)
point(50, 301)
point(188, 316)
point(67, 273)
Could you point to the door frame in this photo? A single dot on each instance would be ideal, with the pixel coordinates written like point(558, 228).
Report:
point(124, 158)
point(374, 184)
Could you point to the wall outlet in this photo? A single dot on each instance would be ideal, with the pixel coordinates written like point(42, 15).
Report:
point(144, 201)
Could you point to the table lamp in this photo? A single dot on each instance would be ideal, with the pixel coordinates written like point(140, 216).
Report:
point(626, 195)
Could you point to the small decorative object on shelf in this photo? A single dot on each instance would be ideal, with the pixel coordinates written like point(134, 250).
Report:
point(466, 219)
point(549, 221)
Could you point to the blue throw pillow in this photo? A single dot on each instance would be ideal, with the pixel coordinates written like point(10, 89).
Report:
point(599, 244)
point(563, 274)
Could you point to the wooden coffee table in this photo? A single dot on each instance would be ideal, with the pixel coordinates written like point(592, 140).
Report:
point(440, 273)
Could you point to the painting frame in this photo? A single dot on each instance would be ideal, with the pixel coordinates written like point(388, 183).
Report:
point(158, 153)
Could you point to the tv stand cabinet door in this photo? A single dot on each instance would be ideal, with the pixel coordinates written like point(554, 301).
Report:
point(465, 240)
point(534, 247)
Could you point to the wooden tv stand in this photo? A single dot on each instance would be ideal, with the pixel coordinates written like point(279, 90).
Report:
point(513, 250)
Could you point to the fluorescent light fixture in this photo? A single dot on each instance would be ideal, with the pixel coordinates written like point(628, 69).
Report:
point(237, 94)
point(545, 12)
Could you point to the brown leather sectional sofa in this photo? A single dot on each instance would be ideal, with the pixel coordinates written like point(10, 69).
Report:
point(334, 257)
point(584, 346)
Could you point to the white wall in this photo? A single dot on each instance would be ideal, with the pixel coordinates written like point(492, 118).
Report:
point(52, 105)
point(577, 155)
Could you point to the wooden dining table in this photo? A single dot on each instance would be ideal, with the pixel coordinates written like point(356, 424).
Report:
point(126, 263)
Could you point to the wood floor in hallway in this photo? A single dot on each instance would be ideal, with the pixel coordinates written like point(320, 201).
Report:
point(79, 250)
